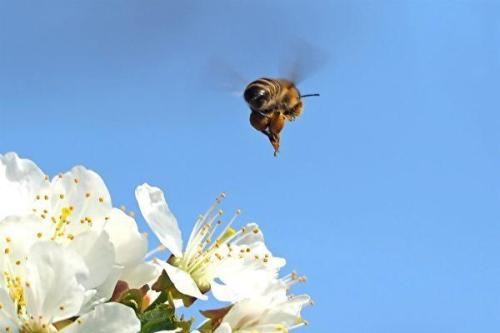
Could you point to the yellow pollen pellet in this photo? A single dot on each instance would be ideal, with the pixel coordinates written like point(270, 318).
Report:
point(61, 308)
point(46, 177)
point(46, 197)
point(38, 197)
point(101, 199)
point(76, 180)
point(18, 262)
point(27, 284)
point(39, 235)
point(71, 237)
point(61, 196)
point(7, 250)
point(8, 239)
point(87, 194)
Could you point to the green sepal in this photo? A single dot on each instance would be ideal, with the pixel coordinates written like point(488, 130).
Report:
point(133, 298)
point(162, 317)
point(215, 317)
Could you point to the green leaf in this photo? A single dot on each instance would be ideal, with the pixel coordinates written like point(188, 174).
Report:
point(162, 317)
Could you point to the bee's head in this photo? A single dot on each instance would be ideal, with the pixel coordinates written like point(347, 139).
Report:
point(256, 96)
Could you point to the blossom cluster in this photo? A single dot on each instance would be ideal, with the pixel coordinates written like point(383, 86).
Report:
point(71, 262)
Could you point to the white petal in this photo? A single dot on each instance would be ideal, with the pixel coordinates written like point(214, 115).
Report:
point(20, 181)
point(160, 219)
point(130, 245)
point(103, 293)
point(55, 275)
point(224, 328)
point(98, 253)
point(140, 274)
point(222, 293)
point(8, 313)
point(18, 234)
point(182, 280)
point(85, 191)
point(106, 318)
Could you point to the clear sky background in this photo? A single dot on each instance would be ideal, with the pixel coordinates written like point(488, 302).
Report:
point(386, 193)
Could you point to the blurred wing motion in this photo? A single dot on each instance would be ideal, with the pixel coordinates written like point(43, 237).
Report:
point(221, 76)
point(301, 61)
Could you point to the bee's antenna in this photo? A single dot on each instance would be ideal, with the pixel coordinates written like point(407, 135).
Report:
point(308, 95)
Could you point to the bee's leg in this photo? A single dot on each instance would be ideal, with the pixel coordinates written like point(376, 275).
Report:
point(260, 122)
point(275, 126)
point(294, 111)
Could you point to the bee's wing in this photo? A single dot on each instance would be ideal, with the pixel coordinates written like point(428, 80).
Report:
point(221, 76)
point(302, 60)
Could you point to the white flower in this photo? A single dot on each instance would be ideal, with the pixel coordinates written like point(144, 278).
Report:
point(75, 210)
point(273, 311)
point(43, 287)
point(232, 263)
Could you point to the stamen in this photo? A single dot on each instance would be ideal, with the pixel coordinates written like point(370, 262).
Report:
point(201, 220)
point(154, 251)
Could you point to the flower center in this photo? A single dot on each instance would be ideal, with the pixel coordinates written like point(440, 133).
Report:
point(16, 291)
point(62, 222)
point(33, 326)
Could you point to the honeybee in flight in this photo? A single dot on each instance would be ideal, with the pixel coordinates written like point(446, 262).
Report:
point(273, 102)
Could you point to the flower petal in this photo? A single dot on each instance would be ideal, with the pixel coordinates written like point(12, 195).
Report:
point(103, 293)
point(55, 275)
point(140, 274)
point(8, 313)
point(85, 192)
point(20, 181)
point(182, 281)
point(98, 254)
point(130, 245)
point(224, 328)
point(18, 233)
point(160, 219)
point(106, 318)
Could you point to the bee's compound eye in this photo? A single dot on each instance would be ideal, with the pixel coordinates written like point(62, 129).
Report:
point(255, 96)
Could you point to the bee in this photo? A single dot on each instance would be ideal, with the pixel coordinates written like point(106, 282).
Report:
point(273, 102)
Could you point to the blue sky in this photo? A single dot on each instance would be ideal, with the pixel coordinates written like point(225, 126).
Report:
point(386, 192)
